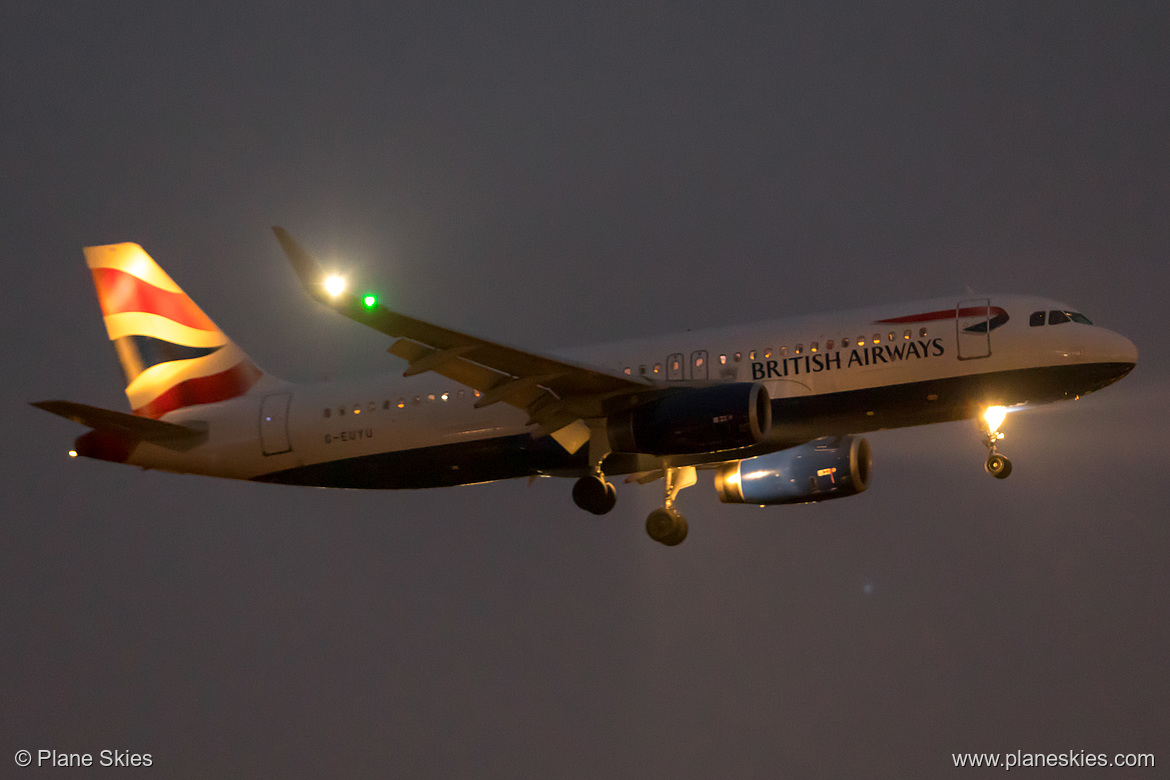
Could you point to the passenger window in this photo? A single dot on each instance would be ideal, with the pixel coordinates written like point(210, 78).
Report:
point(1057, 317)
point(723, 360)
point(460, 395)
point(813, 348)
point(922, 333)
point(328, 411)
point(341, 411)
point(906, 334)
point(628, 371)
point(783, 351)
point(829, 344)
point(877, 337)
point(373, 406)
point(385, 405)
point(738, 356)
point(642, 370)
point(401, 403)
point(844, 343)
point(767, 353)
point(416, 400)
point(799, 349)
point(657, 368)
point(861, 341)
point(1037, 319)
point(752, 355)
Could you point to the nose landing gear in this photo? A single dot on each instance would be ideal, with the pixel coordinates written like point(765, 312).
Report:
point(997, 465)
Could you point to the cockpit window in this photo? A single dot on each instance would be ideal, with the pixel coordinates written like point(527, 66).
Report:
point(1057, 317)
point(1036, 319)
point(1078, 317)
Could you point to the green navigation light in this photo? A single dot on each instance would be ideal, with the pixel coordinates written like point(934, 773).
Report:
point(370, 301)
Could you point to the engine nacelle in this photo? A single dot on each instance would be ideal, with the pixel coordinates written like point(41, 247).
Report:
point(830, 467)
point(699, 419)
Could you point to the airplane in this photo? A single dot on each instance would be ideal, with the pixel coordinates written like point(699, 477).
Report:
point(775, 409)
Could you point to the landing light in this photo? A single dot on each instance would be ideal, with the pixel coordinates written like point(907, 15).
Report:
point(73, 453)
point(335, 285)
point(994, 417)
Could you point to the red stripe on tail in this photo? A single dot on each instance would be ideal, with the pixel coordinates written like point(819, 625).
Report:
point(120, 292)
point(204, 390)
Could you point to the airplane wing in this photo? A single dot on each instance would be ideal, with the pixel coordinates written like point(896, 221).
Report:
point(171, 435)
point(555, 393)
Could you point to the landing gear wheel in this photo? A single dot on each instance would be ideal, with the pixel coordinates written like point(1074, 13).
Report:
point(594, 494)
point(666, 526)
point(998, 466)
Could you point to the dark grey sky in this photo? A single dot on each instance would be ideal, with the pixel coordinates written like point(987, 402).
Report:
point(552, 174)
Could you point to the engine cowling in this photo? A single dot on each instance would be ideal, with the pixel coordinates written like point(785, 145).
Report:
point(691, 420)
point(830, 467)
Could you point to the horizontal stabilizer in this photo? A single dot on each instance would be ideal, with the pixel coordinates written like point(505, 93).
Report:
point(170, 435)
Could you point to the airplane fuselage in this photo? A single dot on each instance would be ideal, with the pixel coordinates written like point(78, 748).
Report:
point(845, 373)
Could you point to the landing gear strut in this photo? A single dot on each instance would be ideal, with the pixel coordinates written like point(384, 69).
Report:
point(997, 465)
point(591, 492)
point(665, 525)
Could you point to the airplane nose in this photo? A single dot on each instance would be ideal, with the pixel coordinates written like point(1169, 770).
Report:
point(1124, 350)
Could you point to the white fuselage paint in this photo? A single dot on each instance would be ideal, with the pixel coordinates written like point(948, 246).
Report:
point(389, 413)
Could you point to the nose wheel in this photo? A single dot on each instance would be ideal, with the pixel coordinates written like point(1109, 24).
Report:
point(997, 465)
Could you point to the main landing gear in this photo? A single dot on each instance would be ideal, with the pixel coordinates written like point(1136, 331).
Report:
point(593, 494)
point(665, 525)
point(997, 465)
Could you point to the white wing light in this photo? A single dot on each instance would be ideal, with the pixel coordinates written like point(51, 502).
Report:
point(335, 285)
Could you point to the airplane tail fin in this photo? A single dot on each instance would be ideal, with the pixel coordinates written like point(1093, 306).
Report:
point(173, 355)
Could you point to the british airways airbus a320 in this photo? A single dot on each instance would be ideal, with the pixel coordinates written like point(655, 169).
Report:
point(774, 408)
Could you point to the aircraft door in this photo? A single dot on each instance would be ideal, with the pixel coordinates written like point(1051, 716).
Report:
point(699, 364)
point(973, 328)
point(274, 424)
point(674, 367)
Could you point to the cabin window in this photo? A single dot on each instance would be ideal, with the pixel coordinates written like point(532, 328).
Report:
point(891, 335)
point(341, 411)
point(401, 403)
point(783, 351)
point(922, 333)
point(861, 341)
point(829, 344)
point(628, 371)
point(385, 405)
point(906, 334)
point(877, 337)
point(460, 395)
point(844, 343)
point(738, 356)
point(799, 349)
point(723, 360)
point(813, 348)
point(416, 400)
point(642, 370)
point(373, 406)
point(328, 411)
point(657, 368)
point(767, 353)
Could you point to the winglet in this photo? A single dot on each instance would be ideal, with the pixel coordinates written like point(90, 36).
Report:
point(307, 269)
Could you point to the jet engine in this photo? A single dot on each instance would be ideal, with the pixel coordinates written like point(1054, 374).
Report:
point(830, 467)
point(690, 420)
